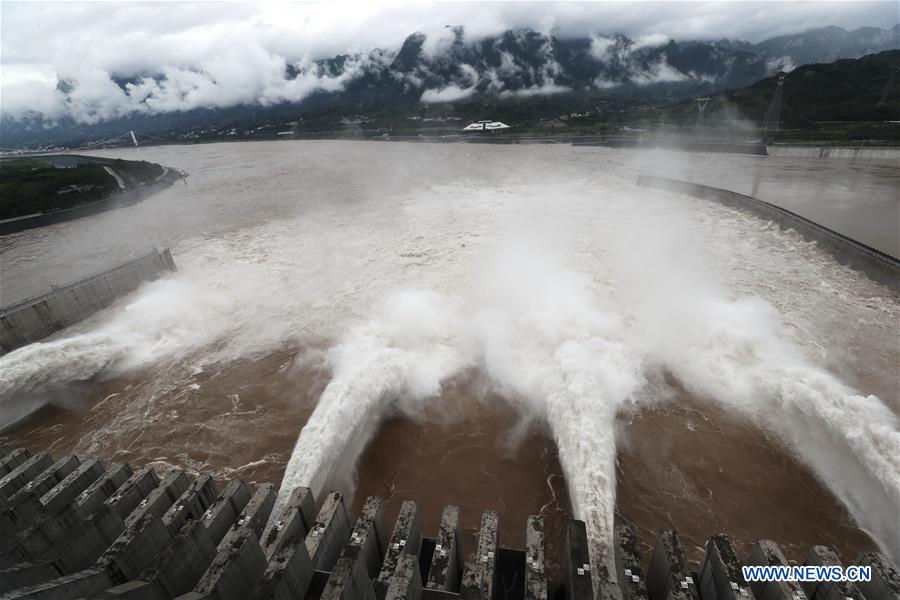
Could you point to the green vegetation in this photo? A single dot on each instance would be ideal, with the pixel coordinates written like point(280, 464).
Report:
point(45, 184)
point(847, 101)
point(136, 172)
point(852, 101)
point(842, 91)
point(26, 189)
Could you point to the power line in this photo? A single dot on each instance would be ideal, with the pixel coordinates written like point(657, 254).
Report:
point(130, 135)
point(152, 137)
point(772, 120)
point(888, 87)
point(106, 141)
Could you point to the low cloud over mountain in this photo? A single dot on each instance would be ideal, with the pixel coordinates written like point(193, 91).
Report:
point(446, 67)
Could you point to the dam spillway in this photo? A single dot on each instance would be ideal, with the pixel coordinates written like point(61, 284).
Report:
point(33, 319)
point(256, 283)
point(78, 529)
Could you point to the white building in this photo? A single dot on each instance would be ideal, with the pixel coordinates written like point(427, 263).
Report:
point(485, 126)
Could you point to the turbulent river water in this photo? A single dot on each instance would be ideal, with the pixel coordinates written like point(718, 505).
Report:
point(497, 327)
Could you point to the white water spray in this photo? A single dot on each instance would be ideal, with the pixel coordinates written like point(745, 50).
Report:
point(738, 352)
point(164, 317)
point(543, 333)
point(403, 353)
point(734, 352)
point(569, 338)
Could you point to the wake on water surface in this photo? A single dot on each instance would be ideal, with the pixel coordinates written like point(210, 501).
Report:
point(570, 295)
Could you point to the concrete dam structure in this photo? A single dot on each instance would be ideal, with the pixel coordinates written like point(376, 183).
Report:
point(876, 265)
point(851, 152)
point(74, 529)
point(754, 148)
point(35, 318)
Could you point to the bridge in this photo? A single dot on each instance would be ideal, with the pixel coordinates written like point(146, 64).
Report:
point(129, 137)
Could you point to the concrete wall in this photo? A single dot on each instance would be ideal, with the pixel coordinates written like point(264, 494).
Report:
point(125, 544)
point(878, 266)
point(35, 318)
point(854, 152)
point(676, 145)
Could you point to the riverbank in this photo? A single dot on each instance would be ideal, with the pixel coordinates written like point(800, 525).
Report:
point(126, 197)
point(712, 143)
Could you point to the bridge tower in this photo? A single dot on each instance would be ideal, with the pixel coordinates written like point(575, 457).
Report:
point(701, 110)
point(133, 139)
point(772, 120)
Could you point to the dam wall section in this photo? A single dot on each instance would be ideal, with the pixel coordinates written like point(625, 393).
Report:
point(753, 148)
point(878, 266)
point(677, 145)
point(75, 528)
point(851, 152)
point(35, 318)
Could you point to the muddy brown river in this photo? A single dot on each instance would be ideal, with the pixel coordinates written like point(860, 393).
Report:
point(511, 328)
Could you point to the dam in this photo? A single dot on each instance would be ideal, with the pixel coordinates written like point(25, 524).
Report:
point(878, 266)
point(81, 529)
point(35, 318)
point(516, 264)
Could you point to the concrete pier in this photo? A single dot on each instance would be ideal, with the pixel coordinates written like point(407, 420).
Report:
point(255, 514)
point(577, 570)
point(406, 583)
point(480, 573)
point(720, 572)
point(628, 562)
point(328, 533)
point(880, 153)
point(295, 521)
point(113, 533)
point(767, 553)
point(368, 540)
point(406, 538)
point(667, 576)
point(224, 511)
point(35, 318)
point(823, 556)
point(444, 572)
point(535, 564)
point(885, 581)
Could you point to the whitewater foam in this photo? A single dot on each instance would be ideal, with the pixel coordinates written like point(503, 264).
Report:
point(165, 317)
point(402, 354)
point(568, 288)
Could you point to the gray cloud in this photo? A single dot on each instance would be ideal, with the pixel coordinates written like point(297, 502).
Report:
point(178, 56)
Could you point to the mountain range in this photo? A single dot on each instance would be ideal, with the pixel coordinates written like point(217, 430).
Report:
point(527, 63)
point(516, 66)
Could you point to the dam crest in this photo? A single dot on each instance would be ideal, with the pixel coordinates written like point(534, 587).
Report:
point(74, 529)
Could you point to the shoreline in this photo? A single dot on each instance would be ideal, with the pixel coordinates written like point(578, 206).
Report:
point(121, 200)
point(810, 149)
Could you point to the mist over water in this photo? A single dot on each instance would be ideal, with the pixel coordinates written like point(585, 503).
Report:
point(573, 291)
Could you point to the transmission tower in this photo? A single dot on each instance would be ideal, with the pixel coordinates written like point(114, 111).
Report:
point(888, 87)
point(701, 109)
point(772, 119)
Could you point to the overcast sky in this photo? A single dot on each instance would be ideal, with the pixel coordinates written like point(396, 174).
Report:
point(245, 43)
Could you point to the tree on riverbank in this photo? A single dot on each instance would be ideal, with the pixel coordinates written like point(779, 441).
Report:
point(38, 185)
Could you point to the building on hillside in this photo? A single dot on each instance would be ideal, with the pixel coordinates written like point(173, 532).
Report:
point(485, 126)
point(76, 188)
